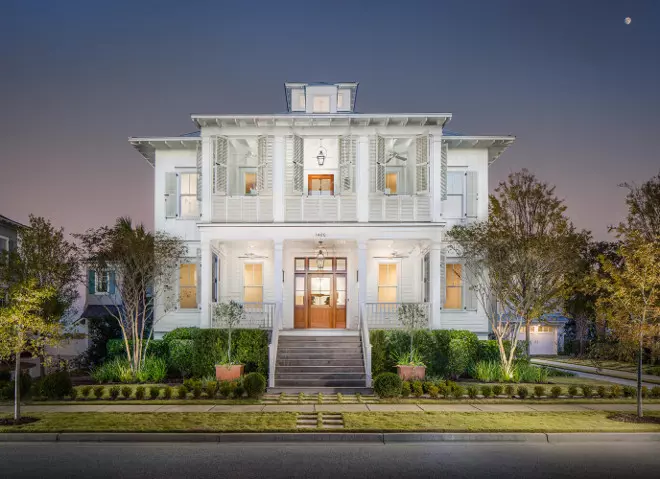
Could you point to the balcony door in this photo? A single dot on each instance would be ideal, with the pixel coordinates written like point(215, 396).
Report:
point(320, 293)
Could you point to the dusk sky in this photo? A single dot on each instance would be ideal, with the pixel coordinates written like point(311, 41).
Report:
point(578, 87)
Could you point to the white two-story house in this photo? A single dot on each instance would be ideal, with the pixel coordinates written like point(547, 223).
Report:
point(321, 220)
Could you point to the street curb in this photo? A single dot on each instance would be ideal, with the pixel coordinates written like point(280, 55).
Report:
point(380, 438)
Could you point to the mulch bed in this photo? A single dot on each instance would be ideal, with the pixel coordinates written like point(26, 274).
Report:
point(9, 421)
point(633, 418)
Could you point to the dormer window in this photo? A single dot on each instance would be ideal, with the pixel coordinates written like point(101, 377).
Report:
point(298, 99)
point(321, 104)
point(343, 99)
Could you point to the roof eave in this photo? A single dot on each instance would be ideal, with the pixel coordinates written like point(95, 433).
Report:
point(147, 146)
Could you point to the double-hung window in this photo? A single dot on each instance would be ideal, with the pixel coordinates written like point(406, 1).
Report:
point(4, 244)
point(187, 286)
point(455, 204)
point(321, 104)
point(387, 283)
point(253, 284)
point(102, 282)
point(454, 286)
point(188, 195)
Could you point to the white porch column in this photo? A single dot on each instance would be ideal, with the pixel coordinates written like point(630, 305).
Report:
point(278, 284)
point(278, 179)
point(362, 185)
point(207, 173)
point(436, 178)
point(436, 286)
point(205, 282)
point(362, 274)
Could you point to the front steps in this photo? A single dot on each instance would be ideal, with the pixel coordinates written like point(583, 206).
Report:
point(325, 363)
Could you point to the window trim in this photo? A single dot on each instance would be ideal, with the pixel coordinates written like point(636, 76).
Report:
point(243, 286)
point(397, 286)
point(180, 195)
point(462, 286)
point(248, 170)
point(327, 97)
point(6, 248)
point(462, 171)
point(97, 278)
point(192, 261)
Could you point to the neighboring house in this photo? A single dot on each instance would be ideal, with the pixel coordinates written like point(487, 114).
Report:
point(547, 336)
point(321, 220)
point(8, 242)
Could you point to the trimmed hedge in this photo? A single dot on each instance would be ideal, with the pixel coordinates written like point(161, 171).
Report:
point(388, 385)
point(116, 349)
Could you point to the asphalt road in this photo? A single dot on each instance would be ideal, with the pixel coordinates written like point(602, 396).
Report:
point(239, 460)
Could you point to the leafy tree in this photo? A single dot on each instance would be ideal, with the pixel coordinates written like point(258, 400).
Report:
point(643, 210)
point(143, 264)
point(413, 317)
point(230, 314)
point(23, 328)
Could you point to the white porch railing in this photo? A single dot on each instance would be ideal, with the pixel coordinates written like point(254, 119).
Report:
point(257, 316)
point(386, 315)
point(242, 209)
point(302, 208)
point(366, 346)
point(399, 207)
point(272, 346)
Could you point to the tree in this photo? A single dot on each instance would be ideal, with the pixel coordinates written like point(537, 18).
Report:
point(23, 328)
point(413, 317)
point(632, 305)
point(643, 210)
point(230, 314)
point(142, 265)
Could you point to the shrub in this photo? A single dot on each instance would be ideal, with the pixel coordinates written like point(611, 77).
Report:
point(528, 373)
point(587, 390)
point(459, 357)
point(602, 391)
point(486, 391)
point(417, 389)
point(73, 394)
point(117, 370)
point(197, 390)
point(114, 392)
point(522, 392)
point(98, 392)
point(555, 391)
point(472, 392)
point(645, 392)
point(226, 388)
point(116, 348)
point(180, 356)
point(509, 390)
point(139, 393)
point(615, 391)
point(629, 391)
point(182, 392)
point(167, 392)
point(85, 391)
point(255, 385)
point(426, 385)
point(211, 389)
point(433, 391)
point(457, 391)
point(443, 390)
point(405, 389)
point(655, 392)
point(487, 371)
point(154, 392)
point(55, 385)
point(572, 390)
point(388, 385)
point(153, 369)
point(126, 392)
point(239, 390)
point(497, 389)
point(539, 391)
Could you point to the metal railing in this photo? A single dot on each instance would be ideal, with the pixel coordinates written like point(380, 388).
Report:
point(366, 346)
point(386, 315)
point(257, 316)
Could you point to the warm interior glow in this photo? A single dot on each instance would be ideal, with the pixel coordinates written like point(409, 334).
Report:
point(321, 104)
point(250, 183)
point(320, 289)
point(387, 283)
point(253, 283)
point(187, 286)
point(391, 180)
point(454, 287)
point(320, 184)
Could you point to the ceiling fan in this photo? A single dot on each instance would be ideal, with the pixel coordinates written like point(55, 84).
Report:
point(252, 255)
point(391, 155)
point(395, 255)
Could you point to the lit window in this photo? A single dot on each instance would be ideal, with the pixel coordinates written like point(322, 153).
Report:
point(253, 286)
point(188, 191)
point(300, 290)
point(188, 286)
point(391, 182)
point(323, 185)
point(322, 104)
point(454, 286)
point(321, 290)
point(455, 191)
point(387, 283)
point(298, 102)
point(250, 182)
point(102, 282)
point(342, 100)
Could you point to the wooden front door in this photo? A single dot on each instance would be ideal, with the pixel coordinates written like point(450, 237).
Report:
point(320, 296)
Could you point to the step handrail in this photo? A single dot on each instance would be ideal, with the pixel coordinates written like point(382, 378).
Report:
point(272, 347)
point(366, 345)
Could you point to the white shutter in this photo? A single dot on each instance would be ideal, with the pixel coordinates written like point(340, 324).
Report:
point(198, 272)
point(199, 172)
point(422, 164)
point(472, 193)
point(469, 295)
point(347, 151)
point(443, 170)
point(220, 146)
point(298, 165)
point(265, 164)
point(377, 163)
point(443, 279)
point(171, 190)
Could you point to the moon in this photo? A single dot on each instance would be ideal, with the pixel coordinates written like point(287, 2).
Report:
point(628, 20)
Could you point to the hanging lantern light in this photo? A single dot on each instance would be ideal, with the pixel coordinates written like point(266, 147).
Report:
point(320, 257)
point(320, 158)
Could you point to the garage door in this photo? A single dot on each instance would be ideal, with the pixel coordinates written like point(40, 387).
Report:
point(543, 340)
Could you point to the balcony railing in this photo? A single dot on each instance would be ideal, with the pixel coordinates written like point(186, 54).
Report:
point(257, 316)
point(242, 209)
point(399, 208)
point(302, 208)
point(386, 315)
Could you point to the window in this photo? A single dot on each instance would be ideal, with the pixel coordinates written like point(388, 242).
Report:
point(391, 182)
point(343, 98)
point(387, 283)
point(250, 182)
point(298, 100)
point(102, 282)
point(300, 290)
point(454, 286)
point(4, 244)
point(321, 104)
point(323, 185)
point(188, 195)
point(253, 285)
point(542, 329)
point(455, 192)
point(187, 286)
point(320, 290)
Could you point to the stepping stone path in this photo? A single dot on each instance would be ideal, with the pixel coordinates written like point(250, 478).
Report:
point(320, 420)
point(317, 399)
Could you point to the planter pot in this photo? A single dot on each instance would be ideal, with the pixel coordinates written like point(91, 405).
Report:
point(411, 373)
point(224, 372)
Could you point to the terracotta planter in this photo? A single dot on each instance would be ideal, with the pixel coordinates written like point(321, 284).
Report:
point(224, 372)
point(411, 373)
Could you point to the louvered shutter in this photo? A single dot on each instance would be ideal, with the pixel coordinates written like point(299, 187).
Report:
point(198, 273)
point(422, 164)
point(443, 170)
point(264, 164)
point(171, 203)
point(347, 150)
point(443, 279)
point(470, 296)
point(472, 194)
point(199, 172)
point(220, 148)
point(111, 282)
point(91, 282)
point(377, 163)
point(298, 165)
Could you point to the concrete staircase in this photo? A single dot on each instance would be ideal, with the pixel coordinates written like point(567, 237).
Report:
point(320, 363)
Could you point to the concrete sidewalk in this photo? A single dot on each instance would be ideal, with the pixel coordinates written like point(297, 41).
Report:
point(312, 408)
point(620, 377)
